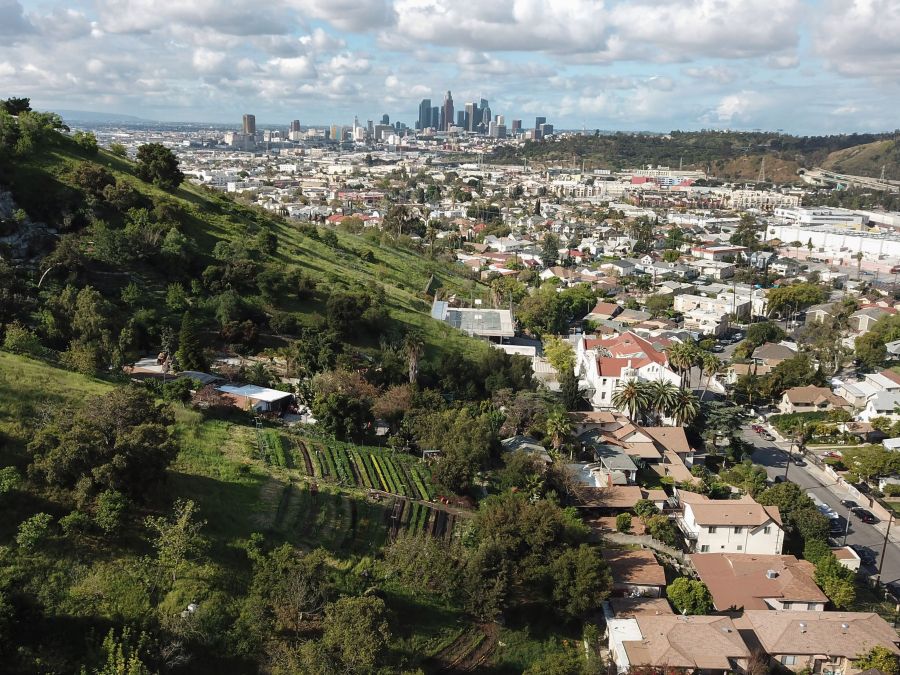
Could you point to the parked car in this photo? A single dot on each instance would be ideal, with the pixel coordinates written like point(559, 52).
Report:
point(768, 436)
point(849, 503)
point(717, 348)
point(866, 556)
point(865, 516)
point(832, 454)
point(780, 479)
point(798, 461)
point(758, 429)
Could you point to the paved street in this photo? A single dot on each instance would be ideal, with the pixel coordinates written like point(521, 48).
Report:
point(773, 457)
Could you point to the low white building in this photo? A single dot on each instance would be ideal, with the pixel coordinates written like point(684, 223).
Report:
point(729, 525)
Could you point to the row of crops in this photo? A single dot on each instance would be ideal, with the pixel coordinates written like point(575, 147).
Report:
point(364, 468)
point(343, 524)
point(420, 519)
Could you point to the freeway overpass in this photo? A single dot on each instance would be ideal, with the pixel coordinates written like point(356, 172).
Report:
point(842, 181)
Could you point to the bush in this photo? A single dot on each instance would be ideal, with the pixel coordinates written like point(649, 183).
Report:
point(892, 490)
point(623, 522)
point(20, 340)
point(690, 596)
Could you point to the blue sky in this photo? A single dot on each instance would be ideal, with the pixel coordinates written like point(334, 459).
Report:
point(804, 66)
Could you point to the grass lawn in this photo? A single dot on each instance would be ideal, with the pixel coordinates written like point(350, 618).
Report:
point(28, 384)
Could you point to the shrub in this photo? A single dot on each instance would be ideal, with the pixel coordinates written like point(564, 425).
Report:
point(20, 340)
point(33, 530)
point(623, 522)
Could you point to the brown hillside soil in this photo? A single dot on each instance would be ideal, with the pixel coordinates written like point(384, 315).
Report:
point(747, 169)
point(867, 160)
point(469, 651)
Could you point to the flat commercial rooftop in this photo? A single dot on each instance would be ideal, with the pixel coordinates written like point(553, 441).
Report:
point(475, 321)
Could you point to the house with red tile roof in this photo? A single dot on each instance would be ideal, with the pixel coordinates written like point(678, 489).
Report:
point(605, 364)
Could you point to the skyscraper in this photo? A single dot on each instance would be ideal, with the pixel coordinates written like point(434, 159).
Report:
point(424, 114)
point(447, 112)
point(516, 126)
point(385, 119)
point(486, 117)
point(461, 119)
point(538, 121)
point(295, 125)
point(249, 126)
point(435, 118)
point(471, 112)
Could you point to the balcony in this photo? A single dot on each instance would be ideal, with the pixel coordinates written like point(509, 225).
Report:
point(685, 530)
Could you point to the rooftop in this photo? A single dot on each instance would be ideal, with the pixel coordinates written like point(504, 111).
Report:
point(672, 641)
point(728, 512)
point(743, 580)
point(638, 567)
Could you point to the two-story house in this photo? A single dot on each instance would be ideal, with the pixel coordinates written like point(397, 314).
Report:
point(606, 363)
point(755, 581)
point(811, 399)
point(817, 642)
point(729, 525)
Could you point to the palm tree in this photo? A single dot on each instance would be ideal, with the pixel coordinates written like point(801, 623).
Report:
point(414, 346)
point(558, 428)
point(709, 364)
point(859, 258)
point(682, 357)
point(685, 408)
point(662, 397)
point(632, 397)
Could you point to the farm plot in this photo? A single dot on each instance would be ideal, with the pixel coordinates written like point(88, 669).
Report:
point(363, 467)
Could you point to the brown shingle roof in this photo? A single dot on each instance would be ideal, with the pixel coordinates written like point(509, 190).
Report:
point(627, 608)
point(740, 579)
point(813, 395)
point(670, 438)
point(686, 642)
point(743, 512)
point(795, 632)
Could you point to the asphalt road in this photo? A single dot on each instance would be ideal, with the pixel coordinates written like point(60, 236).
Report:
point(773, 457)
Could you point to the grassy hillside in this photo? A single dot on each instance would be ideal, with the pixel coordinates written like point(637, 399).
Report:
point(867, 160)
point(45, 186)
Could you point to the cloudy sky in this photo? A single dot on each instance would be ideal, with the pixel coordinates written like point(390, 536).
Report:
point(805, 66)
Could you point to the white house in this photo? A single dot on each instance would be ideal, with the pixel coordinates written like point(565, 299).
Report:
point(729, 525)
point(605, 363)
point(882, 404)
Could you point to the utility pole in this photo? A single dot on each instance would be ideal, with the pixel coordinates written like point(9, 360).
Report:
point(887, 534)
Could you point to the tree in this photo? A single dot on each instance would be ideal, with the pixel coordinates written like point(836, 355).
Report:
point(158, 165)
point(870, 461)
point(424, 564)
point(633, 398)
point(747, 477)
point(878, 658)
point(685, 407)
point(190, 353)
point(16, 106)
point(414, 345)
point(623, 522)
point(709, 364)
point(795, 297)
point(550, 250)
point(663, 397)
point(558, 428)
point(124, 654)
point(836, 581)
point(658, 304)
point(109, 511)
point(810, 523)
point(356, 632)
point(682, 357)
point(559, 353)
point(118, 441)
point(342, 403)
point(118, 150)
point(644, 508)
point(690, 596)
point(178, 537)
point(33, 530)
point(870, 351)
point(662, 529)
point(581, 580)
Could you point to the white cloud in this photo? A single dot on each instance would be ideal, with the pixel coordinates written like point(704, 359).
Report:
point(860, 38)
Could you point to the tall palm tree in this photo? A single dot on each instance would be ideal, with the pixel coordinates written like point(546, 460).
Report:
point(558, 428)
point(632, 397)
point(662, 397)
point(414, 345)
point(709, 364)
point(682, 357)
point(685, 408)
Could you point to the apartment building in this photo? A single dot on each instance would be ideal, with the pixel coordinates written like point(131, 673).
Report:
point(729, 525)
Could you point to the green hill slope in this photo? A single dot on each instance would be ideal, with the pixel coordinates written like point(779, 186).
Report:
point(867, 160)
point(233, 263)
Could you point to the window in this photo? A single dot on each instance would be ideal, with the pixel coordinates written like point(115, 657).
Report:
point(602, 395)
point(604, 381)
point(740, 548)
point(738, 529)
point(704, 549)
point(811, 606)
point(766, 529)
point(712, 529)
point(788, 660)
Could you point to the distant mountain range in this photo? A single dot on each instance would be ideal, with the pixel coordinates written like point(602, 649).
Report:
point(93, 117)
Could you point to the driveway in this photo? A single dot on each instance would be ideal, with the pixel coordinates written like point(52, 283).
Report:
point(774, 458)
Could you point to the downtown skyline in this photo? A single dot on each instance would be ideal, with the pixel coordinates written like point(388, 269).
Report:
point(801, 66)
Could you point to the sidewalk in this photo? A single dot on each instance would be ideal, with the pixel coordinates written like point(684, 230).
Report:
point(838, 488)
